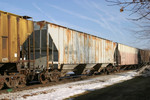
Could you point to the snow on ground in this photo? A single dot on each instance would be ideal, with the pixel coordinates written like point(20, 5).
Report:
point(59, 92)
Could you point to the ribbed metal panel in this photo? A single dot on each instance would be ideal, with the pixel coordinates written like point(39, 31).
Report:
point(12, 27)
point(128, 55)
point(144, 56)
point(78, 48)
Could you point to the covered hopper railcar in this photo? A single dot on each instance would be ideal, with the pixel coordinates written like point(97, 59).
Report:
point(71, 50)
point(16, 49)
point(127, 56)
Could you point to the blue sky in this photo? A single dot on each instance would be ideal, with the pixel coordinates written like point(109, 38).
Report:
point(91, 16)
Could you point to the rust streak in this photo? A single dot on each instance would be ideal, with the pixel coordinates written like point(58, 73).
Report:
point(55, 26)
point(69, 35)
point(41, 24)
point(108, 45)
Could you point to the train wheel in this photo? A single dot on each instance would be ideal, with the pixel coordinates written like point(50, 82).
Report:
point(55, 75)
point(22, 82)
point(11, 83)
point(1, 85)
point(43, 78)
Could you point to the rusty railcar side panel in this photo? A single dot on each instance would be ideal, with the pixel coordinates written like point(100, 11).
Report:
point(128, 55)
point(103, 51)
point(30, 27)
point(66, 45)
point(100, 49)
point(23, 30)
point(79, 51)
point(144, 56)
point(111, 51)
point(78, 47)
point(13, 38)
point(61, 45)
point(4, 24)
point(74, 43)
point(93, 49)
point(4, 57)
point(5, 50)
point(81, 47)
point(147, 58)
point(65, 39)
point(97, 51)
point(86, 48)
point(90, 49)
point(70, 46)
point(108, 51)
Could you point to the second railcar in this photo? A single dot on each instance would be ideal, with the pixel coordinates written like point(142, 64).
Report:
point(68, 49)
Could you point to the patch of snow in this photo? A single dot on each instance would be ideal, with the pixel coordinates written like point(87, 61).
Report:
point(70, 73)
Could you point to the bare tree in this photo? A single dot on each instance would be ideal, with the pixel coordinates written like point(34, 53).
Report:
point(140, 7)
point(141, 11)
